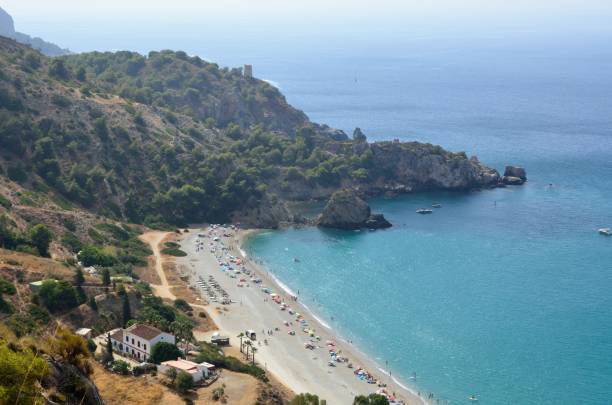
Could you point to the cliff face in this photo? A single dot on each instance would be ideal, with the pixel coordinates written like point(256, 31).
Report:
point(413, 169)
point(7, 26)
point(7, 29)
point(268, 213)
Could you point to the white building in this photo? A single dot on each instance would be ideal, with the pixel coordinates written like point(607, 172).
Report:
point(197, 371)
point(137, 340)
point(85, 333)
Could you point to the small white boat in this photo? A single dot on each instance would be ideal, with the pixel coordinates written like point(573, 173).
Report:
point(473, 398)
point(436, 205)
point(424, 211)
point(606, 231)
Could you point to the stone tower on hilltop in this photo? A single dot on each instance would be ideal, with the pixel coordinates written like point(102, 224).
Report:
point(248, 71)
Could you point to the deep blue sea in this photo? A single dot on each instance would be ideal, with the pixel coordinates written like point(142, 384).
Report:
point(506, 293)
point(503, 293)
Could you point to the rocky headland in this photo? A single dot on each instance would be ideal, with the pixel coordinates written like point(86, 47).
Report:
point(346, 210)
point(514, 176)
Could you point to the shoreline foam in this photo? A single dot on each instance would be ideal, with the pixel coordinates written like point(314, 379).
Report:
point(242, 238)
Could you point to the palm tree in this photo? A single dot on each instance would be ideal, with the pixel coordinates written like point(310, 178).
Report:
point(248, 345)
point(253, 350)
point(240, 335)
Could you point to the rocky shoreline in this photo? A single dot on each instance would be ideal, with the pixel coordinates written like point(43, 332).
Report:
point(346, 208)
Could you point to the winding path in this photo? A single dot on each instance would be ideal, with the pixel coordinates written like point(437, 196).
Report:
point(163, 290)
point(154, 238)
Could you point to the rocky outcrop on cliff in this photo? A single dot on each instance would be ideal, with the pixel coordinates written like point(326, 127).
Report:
point(268, 213)
point(7, 29)
point(514, 176)
point(345, 210)
point(421, 167)
point(73, 383)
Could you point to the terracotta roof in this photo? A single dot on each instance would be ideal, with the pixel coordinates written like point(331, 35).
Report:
point(144, 331)
point(117, 335)
point(181, 364)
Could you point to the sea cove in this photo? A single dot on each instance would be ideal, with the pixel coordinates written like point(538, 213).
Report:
point(502, 293)
point(470, 309)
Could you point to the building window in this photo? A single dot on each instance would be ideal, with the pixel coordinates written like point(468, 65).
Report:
point(145, 346)
point(132, 340)
point(139, 343)
point(127, 339)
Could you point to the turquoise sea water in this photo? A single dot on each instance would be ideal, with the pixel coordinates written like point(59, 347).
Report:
point(505, 293)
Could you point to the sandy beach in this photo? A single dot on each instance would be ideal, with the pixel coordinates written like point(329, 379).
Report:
point(285, 355)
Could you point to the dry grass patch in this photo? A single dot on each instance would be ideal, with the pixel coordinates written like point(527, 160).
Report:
point(240, 389)
point(148, 274)
point(124, 390)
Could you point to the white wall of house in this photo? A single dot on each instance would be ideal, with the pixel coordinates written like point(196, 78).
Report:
point(140, 348)
point(197, 376)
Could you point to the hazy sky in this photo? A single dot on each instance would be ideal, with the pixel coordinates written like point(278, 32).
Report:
point(111, 24)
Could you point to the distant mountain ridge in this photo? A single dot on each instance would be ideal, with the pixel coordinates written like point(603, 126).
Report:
point(7, 29)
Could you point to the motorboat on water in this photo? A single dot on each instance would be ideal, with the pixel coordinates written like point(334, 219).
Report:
point(473, 398)
point(436, 205)
point(424, 211)
point(606, 231)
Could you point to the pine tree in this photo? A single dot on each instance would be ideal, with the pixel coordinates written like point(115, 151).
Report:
point(106, 278)
point(79, 278)
point(81, 296)
point(93, 304)
point(108, 354)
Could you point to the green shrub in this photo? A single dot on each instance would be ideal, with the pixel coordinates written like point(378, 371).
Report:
point(96, 236)
point(164, 351)
point(39, 314)
point(93, 256)
point(40, 237)
point(307, 399)
point(173, 252)
point(72, 242)
point(183, 382)
point(21, 324)
point(6, 287)
point(61, 101)
point(116, 231)
point(70, 224)
point(22, 376)
point(5, 202)
point(57, 295)
point(17, 173)
point(182, 305)
point(58, 69)
point(120, 367)
point(91, 345)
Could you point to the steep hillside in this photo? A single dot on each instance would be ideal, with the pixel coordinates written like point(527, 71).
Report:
point(190, 86)
point(169, 138)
